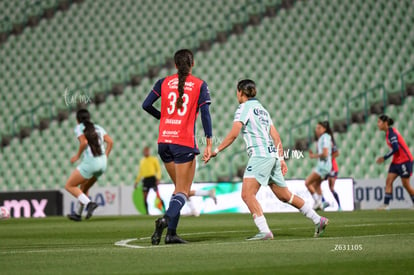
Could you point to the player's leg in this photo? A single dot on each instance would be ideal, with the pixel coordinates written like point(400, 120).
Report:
point(250, 188)
point(204, 193)
point(406, 183)
point(283, 194)
point(279, 188)
point(313, 182)
point(331, 181)
point(145, 195)
point(170, 167)
point(74, 180)
point(85, 186)
point(388, 191)
point(184, 177)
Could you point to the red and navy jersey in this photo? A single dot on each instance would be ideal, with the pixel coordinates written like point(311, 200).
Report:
point(334, 163)
point(178, 126)
point(394, 139)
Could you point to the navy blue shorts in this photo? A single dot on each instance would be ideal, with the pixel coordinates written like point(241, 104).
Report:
point(176, 153)
point(404, 170)
point(332, 174)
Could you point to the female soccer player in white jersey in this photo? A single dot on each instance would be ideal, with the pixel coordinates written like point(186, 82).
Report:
point(91, 138)
point(266, 165)
point(313, 181)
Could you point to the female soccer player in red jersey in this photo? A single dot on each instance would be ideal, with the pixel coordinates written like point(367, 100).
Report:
point(402, 161)
point(182, 96)
point(333, 175)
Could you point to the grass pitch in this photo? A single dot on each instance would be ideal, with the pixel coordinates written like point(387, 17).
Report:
point(361, 242)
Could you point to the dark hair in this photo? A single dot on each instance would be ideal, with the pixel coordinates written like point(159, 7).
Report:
point(184, 60)
point(387, 119)
point(247, 87)
point(83, 116)
point(325, 124)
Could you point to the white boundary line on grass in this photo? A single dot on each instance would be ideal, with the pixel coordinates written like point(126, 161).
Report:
point(125, 243)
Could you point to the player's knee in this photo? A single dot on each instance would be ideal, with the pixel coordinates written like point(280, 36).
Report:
point(246, 197)
point(284, 197)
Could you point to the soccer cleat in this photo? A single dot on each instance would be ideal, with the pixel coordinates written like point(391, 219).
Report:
point(325, 205)
point(90, 208)
point(174, 239)
point(261, 236)
point(320, 227)
point(75, 217)
point(384, 207)
point(212, 194)
point(160, 225)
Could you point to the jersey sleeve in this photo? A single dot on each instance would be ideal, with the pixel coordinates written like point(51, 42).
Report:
point(326, 141)
point(241, 114)
point(153, 96)
point(393, 139)
point(79, 130)
point(157, 87)
point(204, 95)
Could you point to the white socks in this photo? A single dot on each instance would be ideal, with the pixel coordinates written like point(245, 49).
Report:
point(201, 193)
point(310, 213)
point(84, 199)
point(261, 224)
point(317, 198)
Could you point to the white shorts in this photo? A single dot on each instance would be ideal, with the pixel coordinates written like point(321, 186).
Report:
point(265, 171)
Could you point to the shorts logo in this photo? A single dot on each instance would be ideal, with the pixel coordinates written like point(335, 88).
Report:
point(249, 168)
point(404, 169)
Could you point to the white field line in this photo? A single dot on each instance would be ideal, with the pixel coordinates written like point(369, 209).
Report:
point(125, 243)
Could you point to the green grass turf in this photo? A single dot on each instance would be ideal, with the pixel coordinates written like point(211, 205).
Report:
point(374, 242)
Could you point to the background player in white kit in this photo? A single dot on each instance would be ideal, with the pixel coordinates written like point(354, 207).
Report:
point(266, 165)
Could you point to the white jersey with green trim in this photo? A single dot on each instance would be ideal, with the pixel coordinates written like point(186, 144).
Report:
point(87, 153)
point(256, 129)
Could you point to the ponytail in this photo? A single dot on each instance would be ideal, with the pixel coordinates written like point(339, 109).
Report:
point(83, 116)
point(387, 119)
point(184, 60)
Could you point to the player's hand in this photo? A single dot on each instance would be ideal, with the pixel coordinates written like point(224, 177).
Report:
point(380, 160)
point(74, 159)
point(284, 167)
point(311, 154)
point(135, 185)
point(207, 154)
point(206, 158)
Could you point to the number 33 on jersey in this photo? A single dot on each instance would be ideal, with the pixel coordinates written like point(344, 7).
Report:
point(177, 126)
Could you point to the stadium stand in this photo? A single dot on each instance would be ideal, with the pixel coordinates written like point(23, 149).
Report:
point(308, 59)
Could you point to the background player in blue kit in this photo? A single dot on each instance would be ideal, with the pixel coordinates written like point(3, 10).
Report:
point(402, 160)
point(91, 145)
